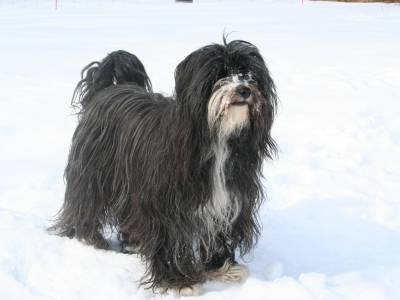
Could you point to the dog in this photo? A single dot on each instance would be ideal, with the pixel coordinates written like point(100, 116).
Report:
point(178, 177)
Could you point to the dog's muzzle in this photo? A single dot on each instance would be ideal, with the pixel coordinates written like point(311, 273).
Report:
point(242, 97)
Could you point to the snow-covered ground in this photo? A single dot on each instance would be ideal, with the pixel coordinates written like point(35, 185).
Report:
point(331, 225)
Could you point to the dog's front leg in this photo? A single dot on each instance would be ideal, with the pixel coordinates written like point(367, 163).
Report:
point(223, 266)
point(177, 273)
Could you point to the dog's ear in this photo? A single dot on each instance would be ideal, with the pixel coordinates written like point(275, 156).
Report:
point(197, 73)
point(183, 72)
point(194, 80)
point(266, 86)
point(244, 58)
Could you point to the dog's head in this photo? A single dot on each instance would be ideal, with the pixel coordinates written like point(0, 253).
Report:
point(227, 88)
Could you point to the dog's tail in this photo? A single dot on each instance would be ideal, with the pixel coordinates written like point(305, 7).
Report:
point(118, 67)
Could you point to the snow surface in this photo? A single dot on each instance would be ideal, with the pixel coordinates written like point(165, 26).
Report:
point(331, 225)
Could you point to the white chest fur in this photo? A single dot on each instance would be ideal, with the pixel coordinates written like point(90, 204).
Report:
point(223, 207)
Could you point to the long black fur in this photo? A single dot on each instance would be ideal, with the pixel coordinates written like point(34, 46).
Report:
point(143, 163)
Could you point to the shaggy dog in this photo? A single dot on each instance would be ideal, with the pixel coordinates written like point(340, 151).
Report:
point(178, 177)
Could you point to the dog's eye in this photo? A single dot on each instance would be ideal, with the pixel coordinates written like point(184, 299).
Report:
point(252, 81)
point(219, 84)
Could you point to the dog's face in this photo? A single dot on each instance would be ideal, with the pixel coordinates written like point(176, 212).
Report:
point(234, 100)
point(228, 87)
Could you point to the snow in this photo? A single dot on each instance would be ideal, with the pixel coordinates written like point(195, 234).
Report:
point(331, 225)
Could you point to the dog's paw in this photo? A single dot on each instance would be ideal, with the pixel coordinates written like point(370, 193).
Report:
point(230, 273)
point(160, 290)
point(235, 273)
point(188, 291)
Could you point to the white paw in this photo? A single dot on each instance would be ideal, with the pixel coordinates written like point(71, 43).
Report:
point(236, 273)
point(188, 291)
point(230, 273)
point(160, 290)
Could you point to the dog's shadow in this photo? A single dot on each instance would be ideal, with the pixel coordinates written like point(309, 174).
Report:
point(322, 236)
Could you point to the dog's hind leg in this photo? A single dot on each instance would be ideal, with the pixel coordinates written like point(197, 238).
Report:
point(90, 234)
point(76, 221)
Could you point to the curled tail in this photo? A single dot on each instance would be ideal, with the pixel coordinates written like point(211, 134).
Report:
point(117, 67)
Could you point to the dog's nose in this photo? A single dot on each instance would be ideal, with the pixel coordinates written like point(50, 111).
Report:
point(243, 91)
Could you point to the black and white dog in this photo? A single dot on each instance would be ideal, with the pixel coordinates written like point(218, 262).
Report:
point(179, 177)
